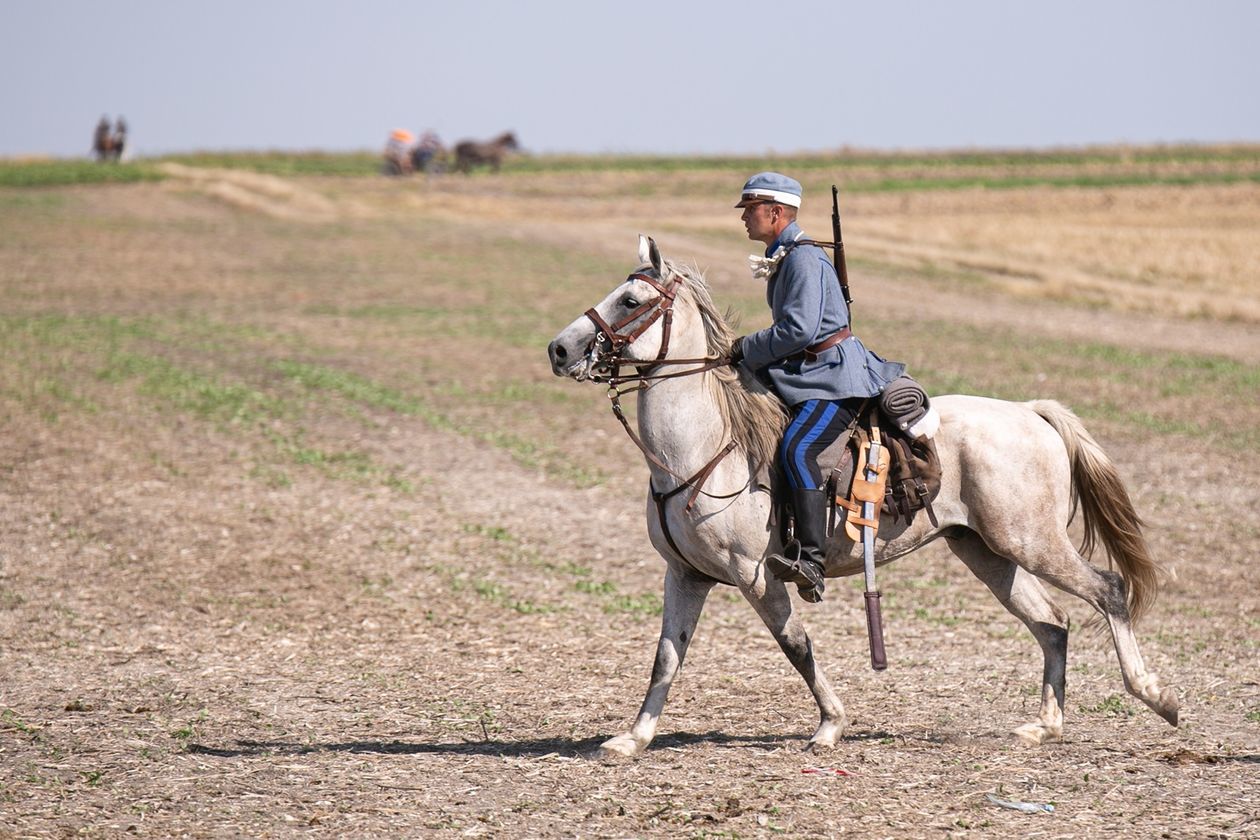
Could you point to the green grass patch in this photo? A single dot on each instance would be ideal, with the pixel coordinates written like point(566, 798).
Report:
point(28, 201)
point(46, 355)
point(993, 169)
point(1112, 706)
point(1185, 374)
point(937, 618)
point(992, 182)
point(200, 394)
point(347, 464)
point(640, 606)
point(188, 731)
point(590, 587)
point(52, 331)
point(57, 350)
point(273, 477)
point(286, 163)
point(545, 456)
point(842, 160)
point(492, 532)
point(10, 719)
point(60, 173)
point(351, 386)
point(500, 595)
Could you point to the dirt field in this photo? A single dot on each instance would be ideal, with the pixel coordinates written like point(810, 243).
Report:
point(300, 536)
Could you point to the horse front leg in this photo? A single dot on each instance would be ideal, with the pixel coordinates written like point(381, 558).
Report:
point(685, 595)
point(770, 598)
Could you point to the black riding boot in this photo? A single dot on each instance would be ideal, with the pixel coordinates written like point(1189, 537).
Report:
point(802, 560)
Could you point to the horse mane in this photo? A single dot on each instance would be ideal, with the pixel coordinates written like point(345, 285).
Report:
point(754, 415)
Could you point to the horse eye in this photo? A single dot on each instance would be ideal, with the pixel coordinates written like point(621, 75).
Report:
point(629, 302)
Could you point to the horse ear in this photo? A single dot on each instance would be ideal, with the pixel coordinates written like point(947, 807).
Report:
point(649, 254)
point(645, 250)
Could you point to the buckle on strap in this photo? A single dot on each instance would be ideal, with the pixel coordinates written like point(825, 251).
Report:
point(813, 351)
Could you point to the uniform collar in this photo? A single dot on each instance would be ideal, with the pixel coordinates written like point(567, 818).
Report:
point(791, 233)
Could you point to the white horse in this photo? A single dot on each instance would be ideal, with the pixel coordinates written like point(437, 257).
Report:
point(1013, 476)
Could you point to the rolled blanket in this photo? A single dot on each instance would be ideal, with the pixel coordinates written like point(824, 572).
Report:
point(904, 402)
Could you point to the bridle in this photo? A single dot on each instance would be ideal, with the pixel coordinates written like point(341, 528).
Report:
point(609, 369)
point(660, 306)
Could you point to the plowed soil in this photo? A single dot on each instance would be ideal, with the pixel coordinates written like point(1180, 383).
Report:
point(300, 537)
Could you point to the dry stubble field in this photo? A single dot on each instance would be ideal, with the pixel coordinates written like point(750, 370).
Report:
point(299, 535)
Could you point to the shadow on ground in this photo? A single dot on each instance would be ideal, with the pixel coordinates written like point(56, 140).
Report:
point(584, 748)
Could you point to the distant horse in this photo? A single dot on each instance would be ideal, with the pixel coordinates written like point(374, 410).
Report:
point(1013, 474)
point(469, 153)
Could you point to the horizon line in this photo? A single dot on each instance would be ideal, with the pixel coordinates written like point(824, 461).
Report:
point(833, 151)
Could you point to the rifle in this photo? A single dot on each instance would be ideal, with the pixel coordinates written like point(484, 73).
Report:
point(837, 254)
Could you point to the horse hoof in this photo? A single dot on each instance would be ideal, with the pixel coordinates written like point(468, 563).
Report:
point(1036, 734)
point(623, 746)
point(1169, 706)
point(826, 736)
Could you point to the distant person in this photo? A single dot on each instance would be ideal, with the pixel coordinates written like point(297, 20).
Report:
point(398, 152)
point(810, 358)
point(119, 139)
point(424, 154)
point(102, 140)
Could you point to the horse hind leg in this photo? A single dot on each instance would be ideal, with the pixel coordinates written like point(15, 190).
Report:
point(1141, 683)
point(1026, 599)
point(1106, 591)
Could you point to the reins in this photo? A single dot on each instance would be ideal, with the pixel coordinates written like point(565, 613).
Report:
point(642, 381)
point(647, 374)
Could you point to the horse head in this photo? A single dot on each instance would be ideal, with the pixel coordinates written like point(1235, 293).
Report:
point(636, 322)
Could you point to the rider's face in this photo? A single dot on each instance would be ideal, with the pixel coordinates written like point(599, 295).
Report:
point(761, 220)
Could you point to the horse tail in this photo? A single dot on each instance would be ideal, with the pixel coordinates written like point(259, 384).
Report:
point(1109, 516)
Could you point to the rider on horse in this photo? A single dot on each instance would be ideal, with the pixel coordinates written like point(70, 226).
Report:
point(809, 357)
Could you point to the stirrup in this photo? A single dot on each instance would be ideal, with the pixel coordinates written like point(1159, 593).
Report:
point(807, 576)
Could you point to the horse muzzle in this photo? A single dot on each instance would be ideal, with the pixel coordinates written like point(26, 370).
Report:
point(574, 361)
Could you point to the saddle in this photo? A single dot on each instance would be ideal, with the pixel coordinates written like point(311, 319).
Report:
point(909, 473)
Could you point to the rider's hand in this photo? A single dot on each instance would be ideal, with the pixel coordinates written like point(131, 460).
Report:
point(737, 350)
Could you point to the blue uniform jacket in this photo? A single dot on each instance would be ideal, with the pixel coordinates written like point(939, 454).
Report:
point(807, 306)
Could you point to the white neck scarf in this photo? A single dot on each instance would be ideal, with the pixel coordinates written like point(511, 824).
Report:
point(763, 268)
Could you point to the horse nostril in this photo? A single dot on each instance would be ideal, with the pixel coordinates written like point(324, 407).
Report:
point(557, 351)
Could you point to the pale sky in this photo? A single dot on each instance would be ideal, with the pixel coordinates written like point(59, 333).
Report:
point(652, 76)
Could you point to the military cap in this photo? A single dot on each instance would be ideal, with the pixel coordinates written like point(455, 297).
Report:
point(771, 186)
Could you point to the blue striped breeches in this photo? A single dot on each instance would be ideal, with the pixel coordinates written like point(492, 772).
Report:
point(815, 425)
